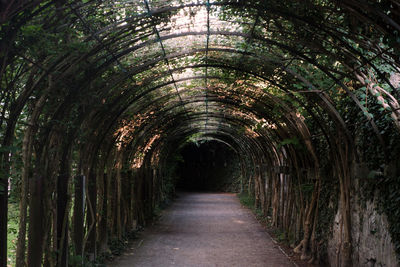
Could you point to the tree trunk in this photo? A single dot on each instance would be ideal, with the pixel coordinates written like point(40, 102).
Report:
point(5, 168)
point(15, 111)
point(102, 234)
point(344, 180)
point(91, 214)
point(3, 210)
point(133, 204)
point(62, 212)
point(275, 199)
point(79, 207)
point(26, 159)
point(36, 223)
point(304, 246)
point(118, 189)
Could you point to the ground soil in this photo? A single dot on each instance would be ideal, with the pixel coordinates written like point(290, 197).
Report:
point(205, 229)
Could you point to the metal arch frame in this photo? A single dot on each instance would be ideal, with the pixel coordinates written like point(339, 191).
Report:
point(313, 62)
point(237, 34)
point(224, 3)
point(195, 117)
point(166, 84)
point(157, 33)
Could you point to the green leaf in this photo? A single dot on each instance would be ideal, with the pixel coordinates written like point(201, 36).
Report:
point(368, 115)
point(11, 149)
point(372, 174)
point(294, 141)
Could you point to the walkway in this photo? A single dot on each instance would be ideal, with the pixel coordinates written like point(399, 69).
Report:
point(202, 229)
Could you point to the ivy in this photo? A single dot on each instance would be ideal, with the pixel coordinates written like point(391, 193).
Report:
point(389, 203)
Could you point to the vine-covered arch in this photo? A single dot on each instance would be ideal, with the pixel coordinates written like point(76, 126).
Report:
point(305, 92)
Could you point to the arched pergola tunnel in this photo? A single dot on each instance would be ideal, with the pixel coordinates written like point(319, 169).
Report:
point(99, 97)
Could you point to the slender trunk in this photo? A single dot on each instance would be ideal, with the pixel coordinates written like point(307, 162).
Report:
point(51, 161)
point(14, 112)
point(64, 242)
point(288, 197)
point(262, 191)
point(314, 245)
point(110, 195)
point(256, 191)
point(40, 209)
point(304, 246)
point(267, 192)
point(139, 197)
point(3, 209)
point(5, 167)
point(275, 200)
point(26, 159)
point(91, 214)
point(103, 235)
point(79, 208)
point(133, 202)
point(36, 223)
point(282, 202)
point(345, 209)
point(62, 212)
point(118, 198)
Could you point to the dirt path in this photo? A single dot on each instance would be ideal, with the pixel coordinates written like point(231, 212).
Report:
point(202, 229)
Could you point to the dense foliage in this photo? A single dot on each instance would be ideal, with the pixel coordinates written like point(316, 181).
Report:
point(98, 98)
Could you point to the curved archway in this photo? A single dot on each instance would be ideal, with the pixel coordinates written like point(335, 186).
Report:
point(306, 93)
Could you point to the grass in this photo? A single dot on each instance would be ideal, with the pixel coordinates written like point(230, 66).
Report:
point(12, 229)
point(246, 200)
point(280, 236)
point(249, 202)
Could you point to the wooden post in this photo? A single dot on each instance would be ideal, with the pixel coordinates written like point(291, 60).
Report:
point(79, 209)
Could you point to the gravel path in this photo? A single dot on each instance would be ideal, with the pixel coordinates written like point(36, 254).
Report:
point(202, 229)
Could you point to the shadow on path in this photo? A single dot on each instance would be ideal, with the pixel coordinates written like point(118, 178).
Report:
point(204, 229)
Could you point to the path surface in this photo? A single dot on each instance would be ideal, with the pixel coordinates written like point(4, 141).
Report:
point(202, 229)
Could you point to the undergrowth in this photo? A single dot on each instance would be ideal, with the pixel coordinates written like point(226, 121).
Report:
point(116, 246)
point(246, 200)
point(249, 202)
point(279, 235)
point(12, 232)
